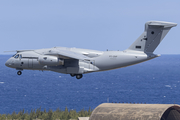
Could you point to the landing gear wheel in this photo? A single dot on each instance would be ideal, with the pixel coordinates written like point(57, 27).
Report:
point(79, 76)
point(19, 72)
point(72, 75)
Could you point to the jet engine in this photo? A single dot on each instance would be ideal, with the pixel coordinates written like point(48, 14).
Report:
point(50, 60)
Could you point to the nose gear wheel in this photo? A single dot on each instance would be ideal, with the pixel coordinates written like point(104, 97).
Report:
point(19, 72)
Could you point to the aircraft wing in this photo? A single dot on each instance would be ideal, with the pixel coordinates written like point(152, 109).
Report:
point(67, 54)
point(18, 51)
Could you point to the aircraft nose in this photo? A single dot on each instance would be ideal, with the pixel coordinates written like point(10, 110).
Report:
point(8, 63)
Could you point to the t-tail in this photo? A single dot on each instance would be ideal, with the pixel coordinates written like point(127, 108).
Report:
point(153, 34)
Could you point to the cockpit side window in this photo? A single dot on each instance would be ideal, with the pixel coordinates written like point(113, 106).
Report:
point(17, 56)
point(20, 56)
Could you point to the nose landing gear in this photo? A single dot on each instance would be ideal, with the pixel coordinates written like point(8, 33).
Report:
point(19, 72)
point(79, 76)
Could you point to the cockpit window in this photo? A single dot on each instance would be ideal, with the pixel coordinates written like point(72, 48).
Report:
point(20, 56)
point(13, 55)
point(16, 56)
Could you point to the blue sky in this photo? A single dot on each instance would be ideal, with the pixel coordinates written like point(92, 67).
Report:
point(91, 24)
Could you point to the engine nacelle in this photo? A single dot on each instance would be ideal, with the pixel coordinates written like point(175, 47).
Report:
point(50, 60)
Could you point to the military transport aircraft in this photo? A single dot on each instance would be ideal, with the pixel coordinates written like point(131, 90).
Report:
point(76, 62)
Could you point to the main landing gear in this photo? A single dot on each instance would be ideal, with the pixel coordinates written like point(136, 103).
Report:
point(78, 76)
point(19, 72)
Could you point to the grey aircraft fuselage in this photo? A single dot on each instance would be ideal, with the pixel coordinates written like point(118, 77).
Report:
point(75, 61)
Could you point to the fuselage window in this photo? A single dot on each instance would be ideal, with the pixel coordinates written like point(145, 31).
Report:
point(16, 56)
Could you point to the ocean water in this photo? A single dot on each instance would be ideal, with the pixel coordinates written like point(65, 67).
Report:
point(154, 81)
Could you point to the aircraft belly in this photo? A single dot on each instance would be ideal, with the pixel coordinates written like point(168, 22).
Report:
point(58, 69)
point(75, 70)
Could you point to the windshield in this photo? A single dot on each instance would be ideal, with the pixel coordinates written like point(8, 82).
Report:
point(16, 56)
point(13, 55)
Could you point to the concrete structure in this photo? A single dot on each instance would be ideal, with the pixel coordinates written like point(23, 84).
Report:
point(83, 118)
point(116, 111)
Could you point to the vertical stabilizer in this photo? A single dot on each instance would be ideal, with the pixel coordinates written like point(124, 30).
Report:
point(153, 34)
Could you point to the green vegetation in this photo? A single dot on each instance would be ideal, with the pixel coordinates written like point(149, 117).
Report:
point(46, 115)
